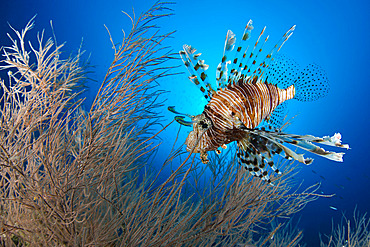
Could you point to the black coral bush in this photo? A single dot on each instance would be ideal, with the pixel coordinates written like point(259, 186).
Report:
point(75, 177)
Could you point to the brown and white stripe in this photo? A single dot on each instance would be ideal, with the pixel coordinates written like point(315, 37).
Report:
point(240, 104)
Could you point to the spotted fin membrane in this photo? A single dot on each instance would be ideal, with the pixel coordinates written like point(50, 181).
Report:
point(277, 118)
point(311, 83)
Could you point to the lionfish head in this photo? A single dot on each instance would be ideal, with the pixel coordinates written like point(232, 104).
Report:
point(200, 124)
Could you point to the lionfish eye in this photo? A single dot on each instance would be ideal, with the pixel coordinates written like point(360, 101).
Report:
point(203, 124)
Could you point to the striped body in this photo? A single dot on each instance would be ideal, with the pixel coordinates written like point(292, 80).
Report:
point(243, 104)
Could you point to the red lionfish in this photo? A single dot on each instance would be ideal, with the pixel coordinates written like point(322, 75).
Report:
point(249, 96)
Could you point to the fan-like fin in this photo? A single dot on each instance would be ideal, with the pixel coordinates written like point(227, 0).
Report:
point(255, 154)
point(222, 70)
point(334, 140)
point(282, 72)
point(271, 56)
point(236, 61)
point(304, 142)
point(276, 120)
point(254, 164)
point(197, 69)
point(311, 84)
point(252, 67)
point(252, 58)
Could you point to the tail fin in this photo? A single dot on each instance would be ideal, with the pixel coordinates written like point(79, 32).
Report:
point(311, 84)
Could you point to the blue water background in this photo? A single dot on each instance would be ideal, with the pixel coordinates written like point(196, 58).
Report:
point(333, 34)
